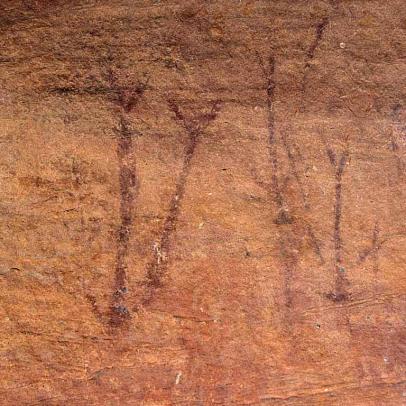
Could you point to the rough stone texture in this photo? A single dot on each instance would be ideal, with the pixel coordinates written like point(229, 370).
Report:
point(202, 202)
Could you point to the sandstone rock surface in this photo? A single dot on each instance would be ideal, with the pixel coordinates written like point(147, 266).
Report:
point(202, 202)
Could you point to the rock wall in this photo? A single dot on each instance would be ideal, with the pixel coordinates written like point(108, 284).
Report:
point(202, 202)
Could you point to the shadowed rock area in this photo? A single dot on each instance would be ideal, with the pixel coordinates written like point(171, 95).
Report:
point(202, 202)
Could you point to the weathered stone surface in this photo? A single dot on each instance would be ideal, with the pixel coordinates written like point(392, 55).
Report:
point(202, 202)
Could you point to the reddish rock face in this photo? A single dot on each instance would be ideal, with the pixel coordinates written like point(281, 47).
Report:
point(202, 203)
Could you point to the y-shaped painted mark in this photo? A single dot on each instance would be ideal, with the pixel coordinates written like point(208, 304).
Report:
point(339, 294)
point(156, 269)
point(126, 99)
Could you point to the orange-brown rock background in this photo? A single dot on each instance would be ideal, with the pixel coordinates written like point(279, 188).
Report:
point(202, 202)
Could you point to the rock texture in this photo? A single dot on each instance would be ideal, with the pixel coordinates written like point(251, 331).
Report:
point(202, 202)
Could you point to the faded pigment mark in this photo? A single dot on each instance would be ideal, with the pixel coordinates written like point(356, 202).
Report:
point(286, 240)
point(397, 140)
point(377, 243)
point(276, 185)
point(294, 169)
